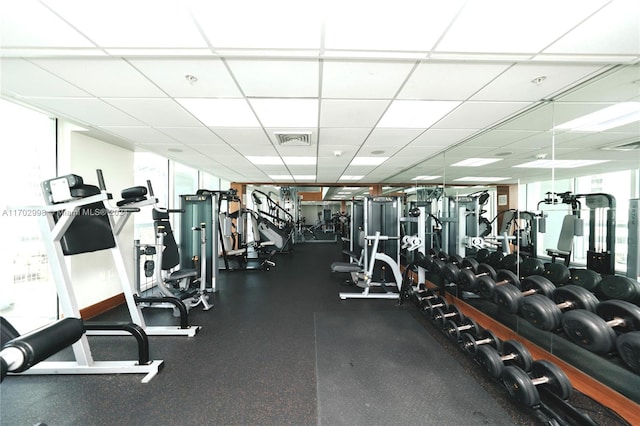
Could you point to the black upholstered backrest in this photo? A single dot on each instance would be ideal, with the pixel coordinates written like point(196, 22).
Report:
point(170, 254)
point(90, 229)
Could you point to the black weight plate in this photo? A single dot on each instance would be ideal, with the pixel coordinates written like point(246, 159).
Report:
point(531, 266)
point(450, 273)
point(585, 278)
point(519, 385)
point(507, 297)
point(613, 309)
point(539, 283)
point(486, 269)
point(557, 273)
point(505, 275)
point(490, 360)
point(511, 262)
point(628, 346)
point(493, 340)
point(495, 259)
point(588, 330)
point(470, 263)
point(580, 297)
point(486, 285)
point(425, 262)
point(436, 266)
point(455, 258)
point(483, 255)
point(442, 256)
point(558, 383)
point(618, 287)
point(452, 329)
point(467, 279)
point(541, 312)
point(523, 358)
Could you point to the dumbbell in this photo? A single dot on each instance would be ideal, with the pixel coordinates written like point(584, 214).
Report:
point(451, 270)
point(545, 313)
point(510, 297)
point(557, 273)
point(597, 332)
point(618, 287)
point(430, 305)
point(495, 259)
point(522, 387)
point(440, 316)
point(531, 266)
point(628, 346)
point(454, 331)
point(586, 278)
point(513, 353)
point(420, 293)
point(486, 284)
point(468, 280)
point(511, 262)
point(471, 345)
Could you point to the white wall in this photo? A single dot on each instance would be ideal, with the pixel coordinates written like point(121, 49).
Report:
point(94, 276)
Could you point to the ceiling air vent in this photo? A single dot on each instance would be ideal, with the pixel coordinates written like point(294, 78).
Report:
point(294, 139)
point(623, 147)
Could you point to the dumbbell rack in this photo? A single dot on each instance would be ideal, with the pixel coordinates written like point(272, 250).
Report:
point(581, 381)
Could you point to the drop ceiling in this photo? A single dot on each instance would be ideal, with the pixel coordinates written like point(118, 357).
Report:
point(420, 84)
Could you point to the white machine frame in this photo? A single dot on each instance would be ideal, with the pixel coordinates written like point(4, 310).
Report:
point(52, 233)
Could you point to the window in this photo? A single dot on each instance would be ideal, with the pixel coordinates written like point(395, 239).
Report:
point(28, 296)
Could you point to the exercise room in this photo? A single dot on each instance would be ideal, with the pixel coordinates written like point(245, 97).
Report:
point(320, 212)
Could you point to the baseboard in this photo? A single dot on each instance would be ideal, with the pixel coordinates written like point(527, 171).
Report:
point(102, 307)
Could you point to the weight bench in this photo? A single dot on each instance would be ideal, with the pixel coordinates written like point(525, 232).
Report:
point(355, 266)
point(565, 241)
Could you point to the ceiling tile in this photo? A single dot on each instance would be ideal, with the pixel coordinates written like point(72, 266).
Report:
point(504, 26)
point(364, 80)
point(242, 136)
point(280, 24)
point(123, 23)
point(621, 85)
point(410, 25)
point(614, 29)
point(351, 113)
point(381, 137)
point(286, 112)
point(221, 112)
point(479, 115)
point(449, 81)
point(102, 77)
point(442, 137)
point(276, 78)
point(518, 83)
point(87, 110)
point(140, 135)
point(155, 111)
point(213, 79)
point(17, 77)
point(193, 136)
point(28, 23)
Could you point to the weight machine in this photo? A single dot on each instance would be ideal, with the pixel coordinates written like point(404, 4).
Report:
point(275, 223)
point(74, 220)
point(602, 223)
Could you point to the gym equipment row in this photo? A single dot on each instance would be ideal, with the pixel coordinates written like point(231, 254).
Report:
point(538, 384)
point(570, 307)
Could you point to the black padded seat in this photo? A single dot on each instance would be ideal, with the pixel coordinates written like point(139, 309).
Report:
point(345, 267)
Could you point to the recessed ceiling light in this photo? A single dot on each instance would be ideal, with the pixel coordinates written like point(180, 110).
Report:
point(304, 177)
point(476, 162)
point(425, 177)
point(504, 154)
point(350, 177)
point(559, 164)
point(608, 118)
point(539, 80)
point(174, 150)
point(377, 152)
point(265, 160)
point(480, 179)
point(299, 161)
point(280, 177)
point(192, 79)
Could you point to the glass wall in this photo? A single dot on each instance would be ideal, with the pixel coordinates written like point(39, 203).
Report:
point(27, 295)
